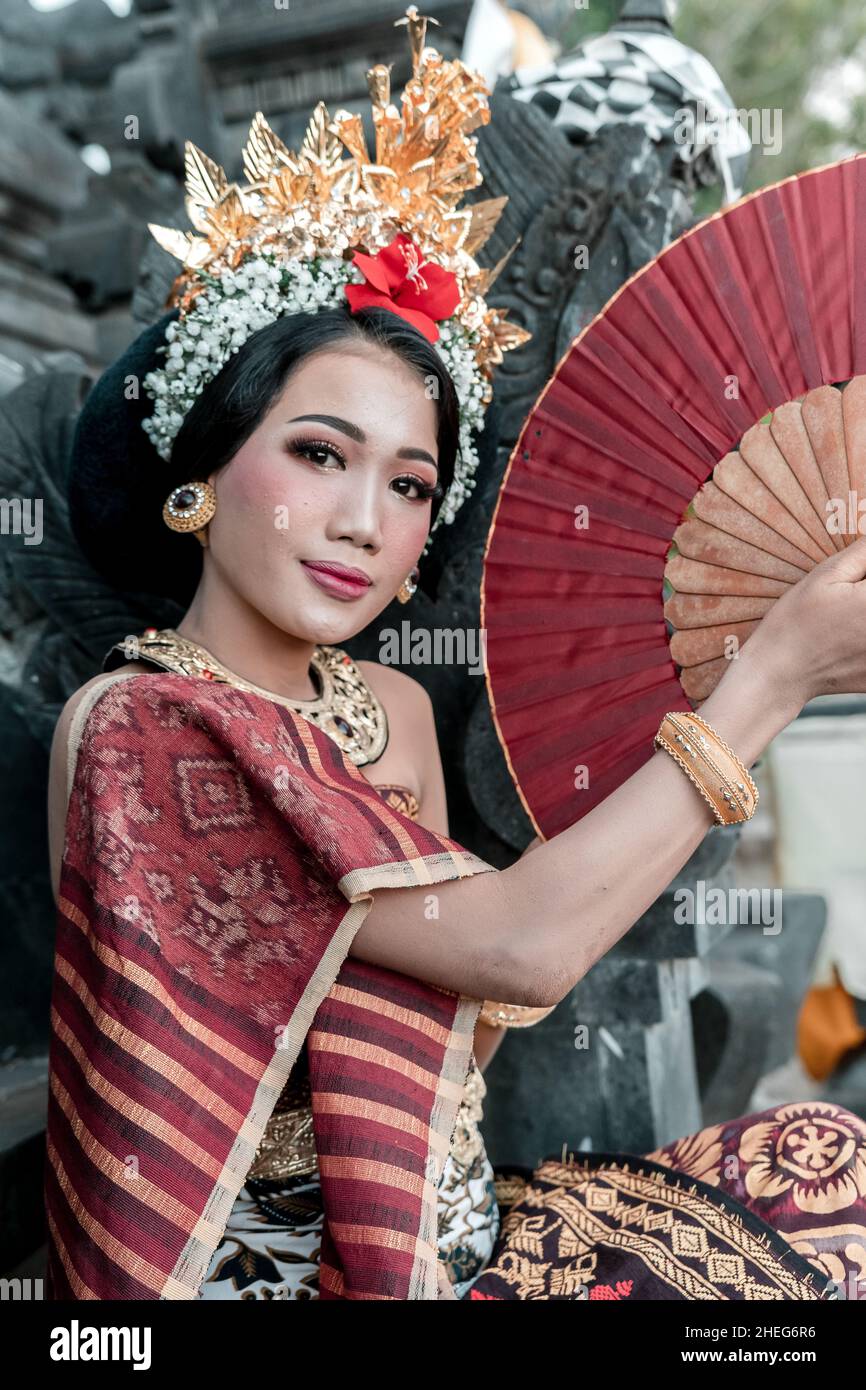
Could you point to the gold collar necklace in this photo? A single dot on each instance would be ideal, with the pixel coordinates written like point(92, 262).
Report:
point(346, 709)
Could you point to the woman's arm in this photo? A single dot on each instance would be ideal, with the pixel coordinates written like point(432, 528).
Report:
point(434, 815)
point(529, 933)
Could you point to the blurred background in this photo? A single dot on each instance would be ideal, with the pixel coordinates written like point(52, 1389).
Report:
point(97, 97)
point(80, 179)
point(96, 100)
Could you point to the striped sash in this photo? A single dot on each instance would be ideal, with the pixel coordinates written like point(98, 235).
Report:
point(220, 855)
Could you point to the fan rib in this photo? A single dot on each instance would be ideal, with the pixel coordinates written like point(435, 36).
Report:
point(695, 645)
point(687, 611)
point(699, 541)
point(717, 508)
point(734, 476)
point(700, 681)
point(695, 577)
point(792, 438)
point(762, 454)
point(822, 418)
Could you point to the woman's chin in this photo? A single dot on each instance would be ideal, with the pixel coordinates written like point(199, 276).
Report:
point(328, 622)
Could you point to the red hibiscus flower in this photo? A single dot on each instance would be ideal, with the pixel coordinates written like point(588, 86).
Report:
point(398, 279)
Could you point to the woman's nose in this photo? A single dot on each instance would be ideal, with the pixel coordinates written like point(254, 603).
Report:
point(358, 517)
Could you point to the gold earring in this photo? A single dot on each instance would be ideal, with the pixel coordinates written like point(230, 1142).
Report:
point(189, 508)
point(409, 585)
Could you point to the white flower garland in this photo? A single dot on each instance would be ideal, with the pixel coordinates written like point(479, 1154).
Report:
point(236, 304)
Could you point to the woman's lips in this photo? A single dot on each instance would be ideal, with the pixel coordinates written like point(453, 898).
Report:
point(339, 585)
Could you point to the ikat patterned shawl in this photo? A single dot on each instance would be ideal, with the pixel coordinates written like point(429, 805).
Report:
point(220, 855)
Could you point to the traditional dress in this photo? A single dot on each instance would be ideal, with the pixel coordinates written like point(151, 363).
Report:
point(220, 854)
point(272, 1239)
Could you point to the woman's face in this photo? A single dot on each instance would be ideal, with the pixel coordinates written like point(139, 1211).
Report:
point(332, 475)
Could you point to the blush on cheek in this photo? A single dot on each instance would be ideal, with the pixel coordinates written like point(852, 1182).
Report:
point(250, 476)
point(403, 542)
point(259, 486)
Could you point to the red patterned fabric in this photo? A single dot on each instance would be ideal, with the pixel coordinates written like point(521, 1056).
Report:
point(801, 1168)
point(220, 855)
point(770, 1205)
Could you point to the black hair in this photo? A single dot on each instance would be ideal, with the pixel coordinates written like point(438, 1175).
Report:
point(118, 483)
point(232, 406)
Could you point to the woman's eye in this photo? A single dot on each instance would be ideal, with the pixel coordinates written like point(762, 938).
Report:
point(417, 489)
point(317, 451)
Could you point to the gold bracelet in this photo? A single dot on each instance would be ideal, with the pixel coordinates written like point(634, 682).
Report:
point(714, 768)
point(497, 1015)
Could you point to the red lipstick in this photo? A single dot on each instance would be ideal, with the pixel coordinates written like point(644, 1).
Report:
point(343, 581)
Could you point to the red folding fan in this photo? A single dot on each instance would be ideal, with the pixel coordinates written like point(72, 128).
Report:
point(700, 446)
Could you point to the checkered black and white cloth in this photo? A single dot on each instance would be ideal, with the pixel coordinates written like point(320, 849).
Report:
point(647, 79)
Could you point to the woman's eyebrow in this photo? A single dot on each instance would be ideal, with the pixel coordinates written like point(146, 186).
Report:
point(356, 433)
point(345, 426)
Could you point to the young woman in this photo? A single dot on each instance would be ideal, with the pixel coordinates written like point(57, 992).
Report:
point(327, 419)
point(275, 973)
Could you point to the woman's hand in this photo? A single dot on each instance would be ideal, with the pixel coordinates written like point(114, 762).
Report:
point(813, 640)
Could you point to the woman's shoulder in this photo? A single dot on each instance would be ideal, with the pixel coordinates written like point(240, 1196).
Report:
point(58, 766)
point(414, 742)
point(84, 694)
point(127, 667)
point(398, 691)
point(154, 686)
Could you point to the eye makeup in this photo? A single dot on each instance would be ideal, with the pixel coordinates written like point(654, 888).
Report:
point(306, 447)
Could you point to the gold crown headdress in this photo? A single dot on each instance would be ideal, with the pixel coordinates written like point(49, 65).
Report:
point(311, 230)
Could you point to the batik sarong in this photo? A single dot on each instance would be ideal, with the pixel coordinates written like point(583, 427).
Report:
point(765, 1207)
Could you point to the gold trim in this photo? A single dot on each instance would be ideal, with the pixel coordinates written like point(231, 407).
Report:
point(729, 803)
point(344, 695)
point(497, 1015)
point(399, 798)
point(467, 1142)
point(288, 1146)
